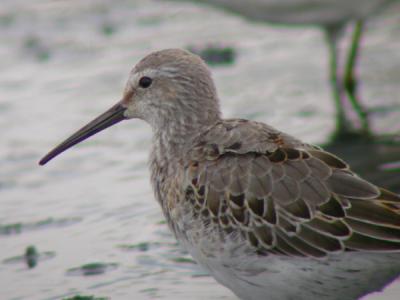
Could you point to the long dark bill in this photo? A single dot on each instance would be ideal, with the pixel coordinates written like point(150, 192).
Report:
point(112, 116)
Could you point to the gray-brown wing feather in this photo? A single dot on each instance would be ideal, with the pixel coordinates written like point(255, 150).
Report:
point(297, 201)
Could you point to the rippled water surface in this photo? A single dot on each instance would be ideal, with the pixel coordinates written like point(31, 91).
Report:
point(91, 214)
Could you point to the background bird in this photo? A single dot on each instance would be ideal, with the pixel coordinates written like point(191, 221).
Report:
point(332, 16)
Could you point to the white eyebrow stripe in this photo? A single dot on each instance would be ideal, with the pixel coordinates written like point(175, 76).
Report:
point(150, 72)
point(168, 71)
point(163, 71)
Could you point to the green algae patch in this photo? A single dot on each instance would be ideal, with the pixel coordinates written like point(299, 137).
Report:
point(95, 268)
point(82, 297)
point(141, 247)
point(150, 292)
point(215, 55)
point(183, 260)
point(36, 47)
point(31, 257)
point(108, 29)
point(9, 229)
point(20, 227)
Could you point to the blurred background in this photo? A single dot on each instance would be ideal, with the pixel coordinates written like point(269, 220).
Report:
point(87, 223)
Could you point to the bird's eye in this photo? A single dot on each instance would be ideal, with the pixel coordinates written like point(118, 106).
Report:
point(145, 82)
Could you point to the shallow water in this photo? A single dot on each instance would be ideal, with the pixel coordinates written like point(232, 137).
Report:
point(64, 62)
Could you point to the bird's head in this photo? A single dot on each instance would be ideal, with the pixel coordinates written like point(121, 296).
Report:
point(169, 89)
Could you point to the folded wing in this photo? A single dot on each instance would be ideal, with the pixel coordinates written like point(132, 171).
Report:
point(293, 200)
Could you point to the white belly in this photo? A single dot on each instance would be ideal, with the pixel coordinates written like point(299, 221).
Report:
point(348, 276)
point(234, 264)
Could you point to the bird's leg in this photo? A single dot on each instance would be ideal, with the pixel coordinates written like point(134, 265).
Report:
point(350, 81)
point(342, 124)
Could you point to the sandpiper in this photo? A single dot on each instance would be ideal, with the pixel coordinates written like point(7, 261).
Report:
point(269, 216)
point(332, 16)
